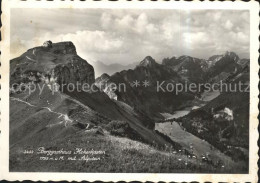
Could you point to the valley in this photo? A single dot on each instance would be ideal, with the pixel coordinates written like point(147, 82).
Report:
point(140, 129)
point(198, 148)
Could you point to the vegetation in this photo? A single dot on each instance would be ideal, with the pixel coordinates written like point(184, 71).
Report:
point(118, 128)
point(121, 155)
point(122, 129)
point(168, 139)
point(224, 136)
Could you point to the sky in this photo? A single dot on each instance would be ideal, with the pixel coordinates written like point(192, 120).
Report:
point(126, 35)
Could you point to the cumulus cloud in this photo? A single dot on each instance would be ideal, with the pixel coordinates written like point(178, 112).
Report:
point(228, 25)
point(106, 20)
point(197, 40)
point(217, 16)
point(94, 41)
point(126, 22)
point(127, 35)
point(240, 38)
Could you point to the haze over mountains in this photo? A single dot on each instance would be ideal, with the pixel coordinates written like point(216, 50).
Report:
point(110, 69)
point(55, 117)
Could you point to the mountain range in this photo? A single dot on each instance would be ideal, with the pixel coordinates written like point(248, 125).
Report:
point(54, 116)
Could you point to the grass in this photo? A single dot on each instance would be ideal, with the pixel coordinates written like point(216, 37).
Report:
point(121, 155)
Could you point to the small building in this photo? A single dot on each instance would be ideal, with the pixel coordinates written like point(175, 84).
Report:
point(224, 115)
point(47, 44)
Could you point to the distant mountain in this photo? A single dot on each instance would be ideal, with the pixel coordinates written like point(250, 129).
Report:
point(184, 69)
point(189, 68)
point(110, 69)
point(243, 62)
point(223, 66)
point(215, 58)
point(216, 68)
point(147, 98)
point(148, 62)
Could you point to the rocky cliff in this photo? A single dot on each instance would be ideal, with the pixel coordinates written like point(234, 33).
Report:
point(55, 61)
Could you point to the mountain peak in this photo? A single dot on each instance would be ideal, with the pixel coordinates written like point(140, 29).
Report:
point(232, 55)
point(60, 61)
point(148, 61)
point(65, 47)
point(105, 76)
point(169, 61)
point(57, 48)
point(149, 57)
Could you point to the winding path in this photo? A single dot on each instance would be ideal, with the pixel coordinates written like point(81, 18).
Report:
point(31, 59)
point(66, 118)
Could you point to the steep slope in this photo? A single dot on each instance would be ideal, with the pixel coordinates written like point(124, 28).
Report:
point(39, 111)
point(39, 118)
point(115, 110)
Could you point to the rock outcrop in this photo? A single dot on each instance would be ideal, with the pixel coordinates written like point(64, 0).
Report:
point(106, 86)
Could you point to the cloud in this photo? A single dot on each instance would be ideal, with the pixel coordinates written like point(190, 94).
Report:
point(17, 46)
point(217, 16)
point(228, 25)
point(240, 37)
point(128, 35)
point(134, 25)
point(197, 40)
point(192, 22)
point(106, 20)
point(126, 22)
point(141, 23)
point(97, 41)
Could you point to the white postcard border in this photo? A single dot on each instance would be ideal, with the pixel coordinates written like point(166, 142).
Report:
point(4, 92)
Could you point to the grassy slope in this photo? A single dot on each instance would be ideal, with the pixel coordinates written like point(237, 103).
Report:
point(29, 124)
point(122, 155)
point(115, 110)
point(28, 130)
